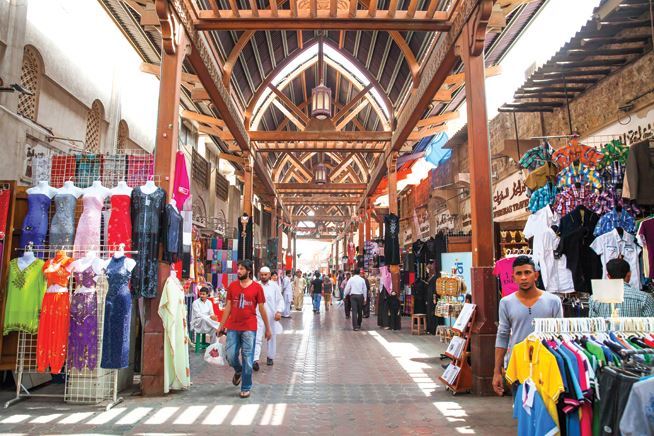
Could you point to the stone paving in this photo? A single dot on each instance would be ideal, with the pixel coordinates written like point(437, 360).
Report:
point(327, 379)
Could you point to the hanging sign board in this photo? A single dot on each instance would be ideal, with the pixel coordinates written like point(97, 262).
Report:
point(510, 199)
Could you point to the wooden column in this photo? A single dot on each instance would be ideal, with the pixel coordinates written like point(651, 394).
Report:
point(392, 208)
point(362, 216)
point(368, 218)
point(248, 179)
point(337, 261)
point(484, 295)
point(294, 251)
point(279, 227)
point(152, 370)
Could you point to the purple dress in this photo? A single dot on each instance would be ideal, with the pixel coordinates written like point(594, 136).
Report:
point(35, 224)
point(117, 313)
point(83, 337)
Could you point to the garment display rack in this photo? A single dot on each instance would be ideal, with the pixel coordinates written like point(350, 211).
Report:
point(592, 325)
point(84, 386)
point(458, 376)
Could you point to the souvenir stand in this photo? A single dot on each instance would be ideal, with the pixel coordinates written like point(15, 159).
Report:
point(458, 374)
point(79, 206)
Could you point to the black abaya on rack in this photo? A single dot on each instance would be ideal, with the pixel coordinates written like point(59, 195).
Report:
point(392, 239)
point(245, 240)
point(432, 320)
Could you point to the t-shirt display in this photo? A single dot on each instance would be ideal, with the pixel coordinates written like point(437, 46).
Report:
point(504, 272)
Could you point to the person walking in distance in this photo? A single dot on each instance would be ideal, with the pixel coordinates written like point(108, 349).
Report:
point(299, 283)
point(287, 292)
point(517, 313)
point(316, 291)
point(357, 290)
point(327, 289)
point(239, 321)
point(274, 306)
point(347, 304)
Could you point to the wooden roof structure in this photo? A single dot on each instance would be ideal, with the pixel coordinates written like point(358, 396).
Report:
point(252, 64)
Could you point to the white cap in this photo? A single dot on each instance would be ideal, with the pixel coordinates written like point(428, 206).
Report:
point(264, 269)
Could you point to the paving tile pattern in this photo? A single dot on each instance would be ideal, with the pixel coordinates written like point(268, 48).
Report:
point(327, 379)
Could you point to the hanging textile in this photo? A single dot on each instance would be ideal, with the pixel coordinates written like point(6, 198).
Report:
point(182, 185)
point(537, 156)
point(147, 211)
point(245, 248)
point(25, 289)
point(172, 310)
point(392, 239)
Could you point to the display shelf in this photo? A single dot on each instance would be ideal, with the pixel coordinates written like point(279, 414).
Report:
point(458, 375)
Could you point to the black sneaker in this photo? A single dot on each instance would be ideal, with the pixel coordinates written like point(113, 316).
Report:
point(236, 380)
point(269, 361)
point(255, 366)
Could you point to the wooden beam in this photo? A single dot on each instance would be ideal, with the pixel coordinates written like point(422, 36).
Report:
point(333, 8)
point(273, 7)
point(320, 146)
point(411, 11)
point(319, 200)
point(255, 8)
point(288, 115)
point(201, 118)
point(349, 117)
point(313, 8)
point(314, 187)
point(300, 167)
point(198, 94)
point(287, 101)
point(313, 218)
point(392, 8)
point(409, 57)
point(288, 20)
point(438, 119)
point(156, 70)
point(215, 131)
point(372, 8)
point(350, 104)
point(340, 167)
point(423, 133)
point(228, 67)
point(234, 8)
point(353, 8)
point(274, 136)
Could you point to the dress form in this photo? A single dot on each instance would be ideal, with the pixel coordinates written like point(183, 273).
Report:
point(70, 188)
point(121, 189)
point(173, 203)
point(129, 262)
point(26, 260)
point(91, 259)
point(149, 187)
point(97, 190)
point(43, 188)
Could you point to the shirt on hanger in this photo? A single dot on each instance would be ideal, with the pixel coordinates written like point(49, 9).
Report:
point(536, 156)
point(579, 173)
point(504, 271)
point(542, 197)
point(572, 196)
point(612, 246)
point(614, 151)
point(646, 237)
point(608, 199)
point(638, 415)
point(541, 175)
point(613, 220)
point(554, 271)
point(612, 175)
point(574, 152)
point(531, 413)
point(535, 226)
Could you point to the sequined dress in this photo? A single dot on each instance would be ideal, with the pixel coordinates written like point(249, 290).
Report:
point(83, 336)
point(147, 216)
point(35, 224)
point(87, 236)
point(120, 222)
point(62, 228)
point(117, 314)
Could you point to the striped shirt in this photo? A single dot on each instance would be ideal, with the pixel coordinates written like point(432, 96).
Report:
point(542, 197)
point(580, 173)
point(574, 152)
point(571, 197)
point(636, 303)
point(536, 157)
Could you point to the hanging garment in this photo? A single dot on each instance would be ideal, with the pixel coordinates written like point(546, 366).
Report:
point(608, 200)
point(172, 310)
point(117, 314)
point(25, 289)
point(114, 169)
point(140, 169)
point(503, 270)
point(613, 220)
point(87, 169)
point(646, 235)
point(640, 172)
point(542, 197)
point(614, 151)
point(62, 228)
point(535, 228)
point(83, 337)
point(392, 239)
point(419, 292)
point(612, 245)
point(147, 211)
point(63, 170)
point(553, 270)
point(638, 415)
point(119, 230)
point(245, 239)
point(576, 152)
point(54, 319)
point(182, 186)
point(579, 174)
point(572, 196)
point(5, 198)
point(87, 236)
point(41, 169)
point(173, 229)
point(537, 156)
point(35, 224)
point(612, 175)
point(541, 176)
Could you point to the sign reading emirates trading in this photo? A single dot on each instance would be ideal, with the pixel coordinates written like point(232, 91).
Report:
point(510, 199)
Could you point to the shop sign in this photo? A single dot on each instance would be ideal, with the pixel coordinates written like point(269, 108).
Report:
point(407, 235)
point(466, 216)
point(640, 125)
point(510, 199)
point(445, 221)
point(423, 222)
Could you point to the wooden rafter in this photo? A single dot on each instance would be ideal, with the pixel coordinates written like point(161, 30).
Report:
point(350, 104)
point(409, 57)
point(454, 82)
point(305, 188)
point(289, 115)
point(340, 167)
point(319, 218)
point(189, 81)
point(327, 136)
point(300, 166)
point(438, 119)
point(287, 101)
point(349, 117)
point(320, 146)
point(228, 67)
point(201, 118)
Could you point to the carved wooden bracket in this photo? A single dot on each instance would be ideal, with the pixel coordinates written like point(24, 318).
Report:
point(476, 27)
point(391, 162)
point(169, 29)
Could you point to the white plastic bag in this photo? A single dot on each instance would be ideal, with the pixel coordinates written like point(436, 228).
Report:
point(215, 353)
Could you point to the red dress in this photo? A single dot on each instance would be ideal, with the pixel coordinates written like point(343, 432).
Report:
point(54, 320)
point(120, 222)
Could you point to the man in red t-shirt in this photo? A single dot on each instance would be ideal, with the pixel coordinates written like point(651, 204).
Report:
point(240, 320)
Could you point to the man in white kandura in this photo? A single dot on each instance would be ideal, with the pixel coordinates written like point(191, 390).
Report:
point(287, 292)
point(274, 307)
point(204, 320)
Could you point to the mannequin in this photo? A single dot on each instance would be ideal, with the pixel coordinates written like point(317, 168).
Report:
point(129, 262)
point(149, 187)
point(121, 189)
point(97, 190)
point(173, 203)
point(70, 188)
point(90, 260)
point(26, 260)
point(43, 188)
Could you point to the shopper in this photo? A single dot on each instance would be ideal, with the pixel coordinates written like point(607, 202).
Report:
point(635, 303)
point(274, 307)
point(517, 312)
point(299, 283)
point(357, 290)
point(327, 288)
point(366, 306)
point(339, 280)
point(287, 292)
point(347, 304)
point(316, 291)
point(244, 296)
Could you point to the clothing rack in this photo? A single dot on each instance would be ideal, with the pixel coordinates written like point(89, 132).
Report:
point(84, 386)
point(592, 325)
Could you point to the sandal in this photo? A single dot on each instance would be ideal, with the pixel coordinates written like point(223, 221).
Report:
point(236, 380)
point(245, 394)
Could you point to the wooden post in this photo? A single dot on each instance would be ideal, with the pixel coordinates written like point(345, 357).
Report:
point(392, 208)
point(273, 231)
point(247, 181)
point(279, 227)
point(294, 251)
point(484, 293)
point(152, 370)
point(337, 260)
point(368, 218)
point(362, 216)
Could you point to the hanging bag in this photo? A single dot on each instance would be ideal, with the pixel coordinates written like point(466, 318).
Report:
point(215, 353)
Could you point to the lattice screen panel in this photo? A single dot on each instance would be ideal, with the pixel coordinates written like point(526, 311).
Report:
point(30, 79)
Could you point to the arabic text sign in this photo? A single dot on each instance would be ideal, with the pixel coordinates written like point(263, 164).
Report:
point(510, 199)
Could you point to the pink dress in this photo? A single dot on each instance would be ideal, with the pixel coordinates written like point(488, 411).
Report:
point(87, 236)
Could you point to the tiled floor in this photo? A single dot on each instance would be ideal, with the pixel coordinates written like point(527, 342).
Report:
point(327, 379)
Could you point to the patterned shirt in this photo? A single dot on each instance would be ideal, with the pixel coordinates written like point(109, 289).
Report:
point(610, 198)
point(613, 220)
point(537, 156)
point(636, 303)
point(580, 173)
point(575, 151)
point(612, 174)
point(614, 151)
point(542, 197)
point(571, 197)
point(541, 175)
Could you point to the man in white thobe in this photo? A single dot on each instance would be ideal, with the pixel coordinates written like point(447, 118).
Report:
point(274, 307)
point(287, 292)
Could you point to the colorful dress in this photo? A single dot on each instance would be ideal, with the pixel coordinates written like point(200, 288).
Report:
point(35, 224)
point(147, 214)
point(87, 236)
point(83, 337)
point(62, 228)
point(117, 314)
point(172, 310)
point(55, 316)
point(120, 222)
point(25, 289)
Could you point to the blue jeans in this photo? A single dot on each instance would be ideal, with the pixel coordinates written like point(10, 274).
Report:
point(316, 302)
point(242, 341)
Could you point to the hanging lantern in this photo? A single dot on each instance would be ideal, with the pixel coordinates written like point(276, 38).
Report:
point(320, 174)
point(321, 102)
